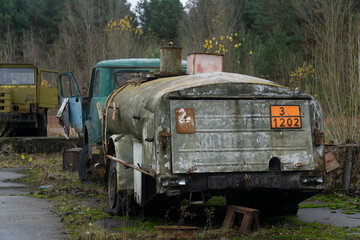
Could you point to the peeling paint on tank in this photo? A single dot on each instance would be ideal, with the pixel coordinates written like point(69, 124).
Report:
point(167, 165)
point(232, 125)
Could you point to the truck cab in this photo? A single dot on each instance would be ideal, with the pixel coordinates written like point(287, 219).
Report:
point(85, 114)
point(26, 94)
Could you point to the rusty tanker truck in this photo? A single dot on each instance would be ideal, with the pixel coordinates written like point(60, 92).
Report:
point(194, 136)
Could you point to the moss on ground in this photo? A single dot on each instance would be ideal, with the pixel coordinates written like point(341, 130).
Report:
point(81, 207)
point(333, 201)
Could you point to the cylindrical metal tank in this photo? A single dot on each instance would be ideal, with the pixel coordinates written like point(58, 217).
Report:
point(136, 105)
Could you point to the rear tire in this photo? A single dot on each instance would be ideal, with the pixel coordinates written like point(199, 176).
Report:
point(120, 204)
point(41, 130)
point(84, 165)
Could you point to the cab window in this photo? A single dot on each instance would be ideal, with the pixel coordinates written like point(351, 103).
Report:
point(96, 84)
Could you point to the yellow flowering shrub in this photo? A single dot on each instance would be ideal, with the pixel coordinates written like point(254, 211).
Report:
point(122, 26)
point(222, 44)
point(302, 77)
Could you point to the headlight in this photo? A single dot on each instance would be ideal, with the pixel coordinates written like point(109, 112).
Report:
point(182, 182)
point(165, 182)
point(320, 179)
point(173, 182)
point(304, 180)
point(312, 179)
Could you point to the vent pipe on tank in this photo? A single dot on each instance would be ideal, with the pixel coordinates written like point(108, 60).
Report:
point(170, 61)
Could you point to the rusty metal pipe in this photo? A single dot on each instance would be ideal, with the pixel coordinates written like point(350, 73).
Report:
point(129, 165)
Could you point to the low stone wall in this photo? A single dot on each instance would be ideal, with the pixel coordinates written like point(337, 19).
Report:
point(39, 144)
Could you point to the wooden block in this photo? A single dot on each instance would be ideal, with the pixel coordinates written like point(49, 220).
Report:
point(229, 219)
point(250, 216)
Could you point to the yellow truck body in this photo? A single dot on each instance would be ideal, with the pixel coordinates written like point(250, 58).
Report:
point(26, 94)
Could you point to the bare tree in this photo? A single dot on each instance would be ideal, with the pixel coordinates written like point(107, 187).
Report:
point(331, 35)
point(8, 51)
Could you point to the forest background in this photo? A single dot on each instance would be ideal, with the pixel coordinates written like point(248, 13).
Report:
point(312, 45)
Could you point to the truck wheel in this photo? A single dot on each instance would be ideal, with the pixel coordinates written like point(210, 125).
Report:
point(84, 165)
point(120, 204)
point(41, 130)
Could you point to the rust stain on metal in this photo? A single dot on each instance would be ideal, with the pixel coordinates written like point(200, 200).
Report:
point(330, 162)
point(185, 120)
point(164, 134)
point(319, 137)
point(100, 172)
point(114, 112)
point(99, 109)
point(190, 170)
point(175, 231)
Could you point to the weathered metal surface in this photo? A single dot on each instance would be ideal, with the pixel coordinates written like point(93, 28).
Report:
point(129, 165)
point(134, 100)
point(171, 232)
point(64, 118)
point(70, 111)
point(185, 120)
point(319, 137)
point(170, 60)
point(124, 150)
point(236, 135)
point(232, 135)
point(204, 63)
point(70, 159)
point(330, 162)
point(5, 100)
point(25, 96)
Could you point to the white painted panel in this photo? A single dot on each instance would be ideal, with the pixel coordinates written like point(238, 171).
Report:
point(138, 159)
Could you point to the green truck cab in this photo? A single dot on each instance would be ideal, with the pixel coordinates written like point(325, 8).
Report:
point(26, 94)
point(84, 114)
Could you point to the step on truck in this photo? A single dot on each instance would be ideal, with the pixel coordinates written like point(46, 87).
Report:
point(169, 136)
point(26, 94)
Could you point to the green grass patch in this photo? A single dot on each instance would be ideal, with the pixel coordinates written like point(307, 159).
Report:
point(333, 201)
point(81, 208)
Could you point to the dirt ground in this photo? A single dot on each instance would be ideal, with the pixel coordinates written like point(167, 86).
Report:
point(60, 205)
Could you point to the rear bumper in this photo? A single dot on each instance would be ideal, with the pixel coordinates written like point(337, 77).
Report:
point(223, 183)
point(18, 118)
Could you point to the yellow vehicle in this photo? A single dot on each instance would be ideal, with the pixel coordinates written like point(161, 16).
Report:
point(26, 94)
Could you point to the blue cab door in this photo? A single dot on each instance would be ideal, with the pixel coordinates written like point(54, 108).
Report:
point(70, 111)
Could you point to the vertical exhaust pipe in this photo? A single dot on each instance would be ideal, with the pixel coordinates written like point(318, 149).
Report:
point(170, 61)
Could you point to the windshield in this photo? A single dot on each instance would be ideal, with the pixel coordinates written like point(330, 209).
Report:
point(17, 76)
point(121, 77)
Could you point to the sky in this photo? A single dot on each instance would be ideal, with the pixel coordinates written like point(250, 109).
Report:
point(134, 2)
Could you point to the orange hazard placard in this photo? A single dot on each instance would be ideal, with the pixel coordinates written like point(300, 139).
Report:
point(285, 117)
point(185, 120)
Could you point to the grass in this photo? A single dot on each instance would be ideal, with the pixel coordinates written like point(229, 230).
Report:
point(82, 209)
point(334, 201)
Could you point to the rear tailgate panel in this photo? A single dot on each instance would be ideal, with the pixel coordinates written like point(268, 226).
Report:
point(236, 135)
